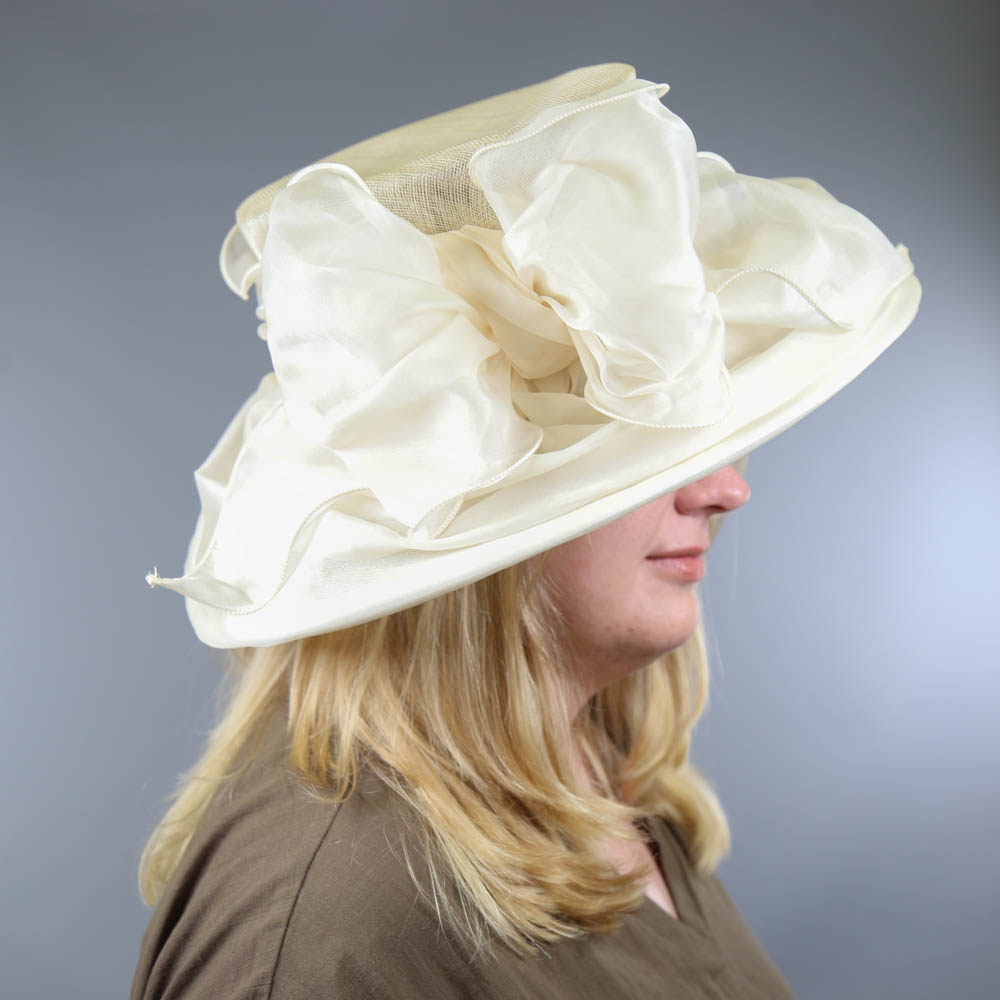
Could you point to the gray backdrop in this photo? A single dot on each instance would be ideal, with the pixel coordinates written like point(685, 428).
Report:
point(852, 732)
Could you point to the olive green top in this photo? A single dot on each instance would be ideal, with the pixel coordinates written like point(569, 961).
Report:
point(282, 896)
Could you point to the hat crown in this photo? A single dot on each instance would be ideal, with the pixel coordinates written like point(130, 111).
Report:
point(419, 171)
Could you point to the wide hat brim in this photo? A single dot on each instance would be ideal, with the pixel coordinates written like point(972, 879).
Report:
point(319, 510)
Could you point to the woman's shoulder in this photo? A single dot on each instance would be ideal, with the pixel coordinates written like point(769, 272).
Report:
point(283, 894)
point(360, 926)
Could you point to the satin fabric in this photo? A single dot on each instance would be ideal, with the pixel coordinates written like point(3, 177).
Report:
point(646, 314)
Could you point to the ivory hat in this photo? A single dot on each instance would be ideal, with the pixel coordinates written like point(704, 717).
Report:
point(501, 327)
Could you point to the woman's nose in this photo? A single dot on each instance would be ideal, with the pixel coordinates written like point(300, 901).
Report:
point(723, 490)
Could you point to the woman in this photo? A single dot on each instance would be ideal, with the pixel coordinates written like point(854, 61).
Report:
point(521, 351)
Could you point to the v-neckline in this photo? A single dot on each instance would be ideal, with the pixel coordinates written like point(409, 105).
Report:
point(688, 938)
point(667, 855)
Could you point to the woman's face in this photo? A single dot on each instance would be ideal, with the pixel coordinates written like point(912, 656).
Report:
point(625, 607)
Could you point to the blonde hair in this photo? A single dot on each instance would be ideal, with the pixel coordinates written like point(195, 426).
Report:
point(503, 817)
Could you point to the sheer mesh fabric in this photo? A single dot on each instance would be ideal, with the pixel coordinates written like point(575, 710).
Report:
point(419, 170)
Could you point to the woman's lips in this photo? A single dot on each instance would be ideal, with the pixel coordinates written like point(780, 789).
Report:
point(691, 568)
point(693, 550)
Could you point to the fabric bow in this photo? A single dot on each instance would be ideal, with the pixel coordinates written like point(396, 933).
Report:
point(434, 366)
